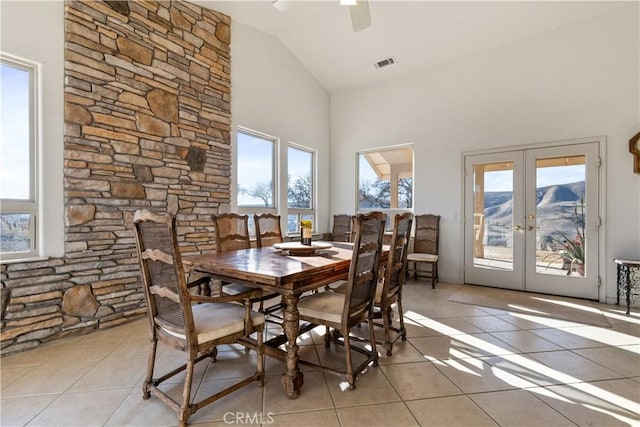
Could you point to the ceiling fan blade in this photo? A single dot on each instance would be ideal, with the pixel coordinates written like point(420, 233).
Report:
point(360, 16)
point(282, 5)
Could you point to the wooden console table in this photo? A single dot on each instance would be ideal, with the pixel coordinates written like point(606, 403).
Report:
point(628, 280)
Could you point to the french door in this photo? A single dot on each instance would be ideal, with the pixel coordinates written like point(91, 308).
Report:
point(532, 220)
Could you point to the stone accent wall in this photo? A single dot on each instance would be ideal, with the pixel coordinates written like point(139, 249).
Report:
point(147, 125)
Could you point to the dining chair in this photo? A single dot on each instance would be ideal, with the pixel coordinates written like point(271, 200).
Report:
point(390, 282)
point(232, 234)
point(339, 312)
point(425, 248)
point(193, 324)
point(342, 228)
point(268, 231)
point(389, 290)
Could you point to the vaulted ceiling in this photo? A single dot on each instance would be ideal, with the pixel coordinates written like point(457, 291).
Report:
point(417, 34)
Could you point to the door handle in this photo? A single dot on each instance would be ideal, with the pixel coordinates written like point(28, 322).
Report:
point(531, 227)
point(531, 217)
point(517, 227)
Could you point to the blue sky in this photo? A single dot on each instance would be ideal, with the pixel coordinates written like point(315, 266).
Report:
point(254, 159)
point(299, 162)
point(14, 133)
point(503, 180)
point(560, 175)
point(254, 166)
point(365, 171)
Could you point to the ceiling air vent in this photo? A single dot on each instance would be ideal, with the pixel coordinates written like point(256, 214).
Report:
point(385, 62)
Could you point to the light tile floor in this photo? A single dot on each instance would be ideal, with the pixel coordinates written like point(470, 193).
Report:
point(462, 365)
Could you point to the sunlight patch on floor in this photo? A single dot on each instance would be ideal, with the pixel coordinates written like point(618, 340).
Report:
point(633, 318)
point(460, 367)
point(591, 406)
point(548, 393)
point(594, 333)
point(521, 308)
point(628, 420)
point(518, 359)
point(569, 304)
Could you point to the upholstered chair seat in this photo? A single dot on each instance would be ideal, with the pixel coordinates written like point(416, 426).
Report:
point(416, 257)
point(213, 321)
point(327, 306)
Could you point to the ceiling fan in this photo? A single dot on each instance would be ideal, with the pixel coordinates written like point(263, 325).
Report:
point(359, 10)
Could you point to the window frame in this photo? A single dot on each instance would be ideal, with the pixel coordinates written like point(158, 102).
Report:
point(300, 212)
point(31, 205)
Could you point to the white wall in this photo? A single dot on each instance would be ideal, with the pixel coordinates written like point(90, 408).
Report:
point(35, 31)
point(274, 94)
point(578, 81)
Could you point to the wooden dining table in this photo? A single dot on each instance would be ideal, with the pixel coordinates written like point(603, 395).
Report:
point(277, 271)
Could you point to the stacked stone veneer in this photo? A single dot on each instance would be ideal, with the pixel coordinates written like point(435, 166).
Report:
point(147, 121)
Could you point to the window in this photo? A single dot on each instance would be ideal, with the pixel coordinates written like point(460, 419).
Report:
point(257, 184)
point(300, 188)
point(256, 187)
point(18, 160)
point(385, 180)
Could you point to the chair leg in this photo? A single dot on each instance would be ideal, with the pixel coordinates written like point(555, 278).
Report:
point(184, 412)
point(327, 337)
point(372, 337)
point(403, 331)
point(434, 276)
point(349, 376)
point(146, 394)
point(260, 310)
point(386, 322)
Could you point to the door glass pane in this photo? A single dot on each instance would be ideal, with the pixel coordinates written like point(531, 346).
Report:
point(560, 216)
point(493, 215)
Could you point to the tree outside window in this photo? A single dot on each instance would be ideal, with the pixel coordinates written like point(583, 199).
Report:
point(385, 179)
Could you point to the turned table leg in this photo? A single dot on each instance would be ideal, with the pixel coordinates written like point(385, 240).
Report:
point(292, 379)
